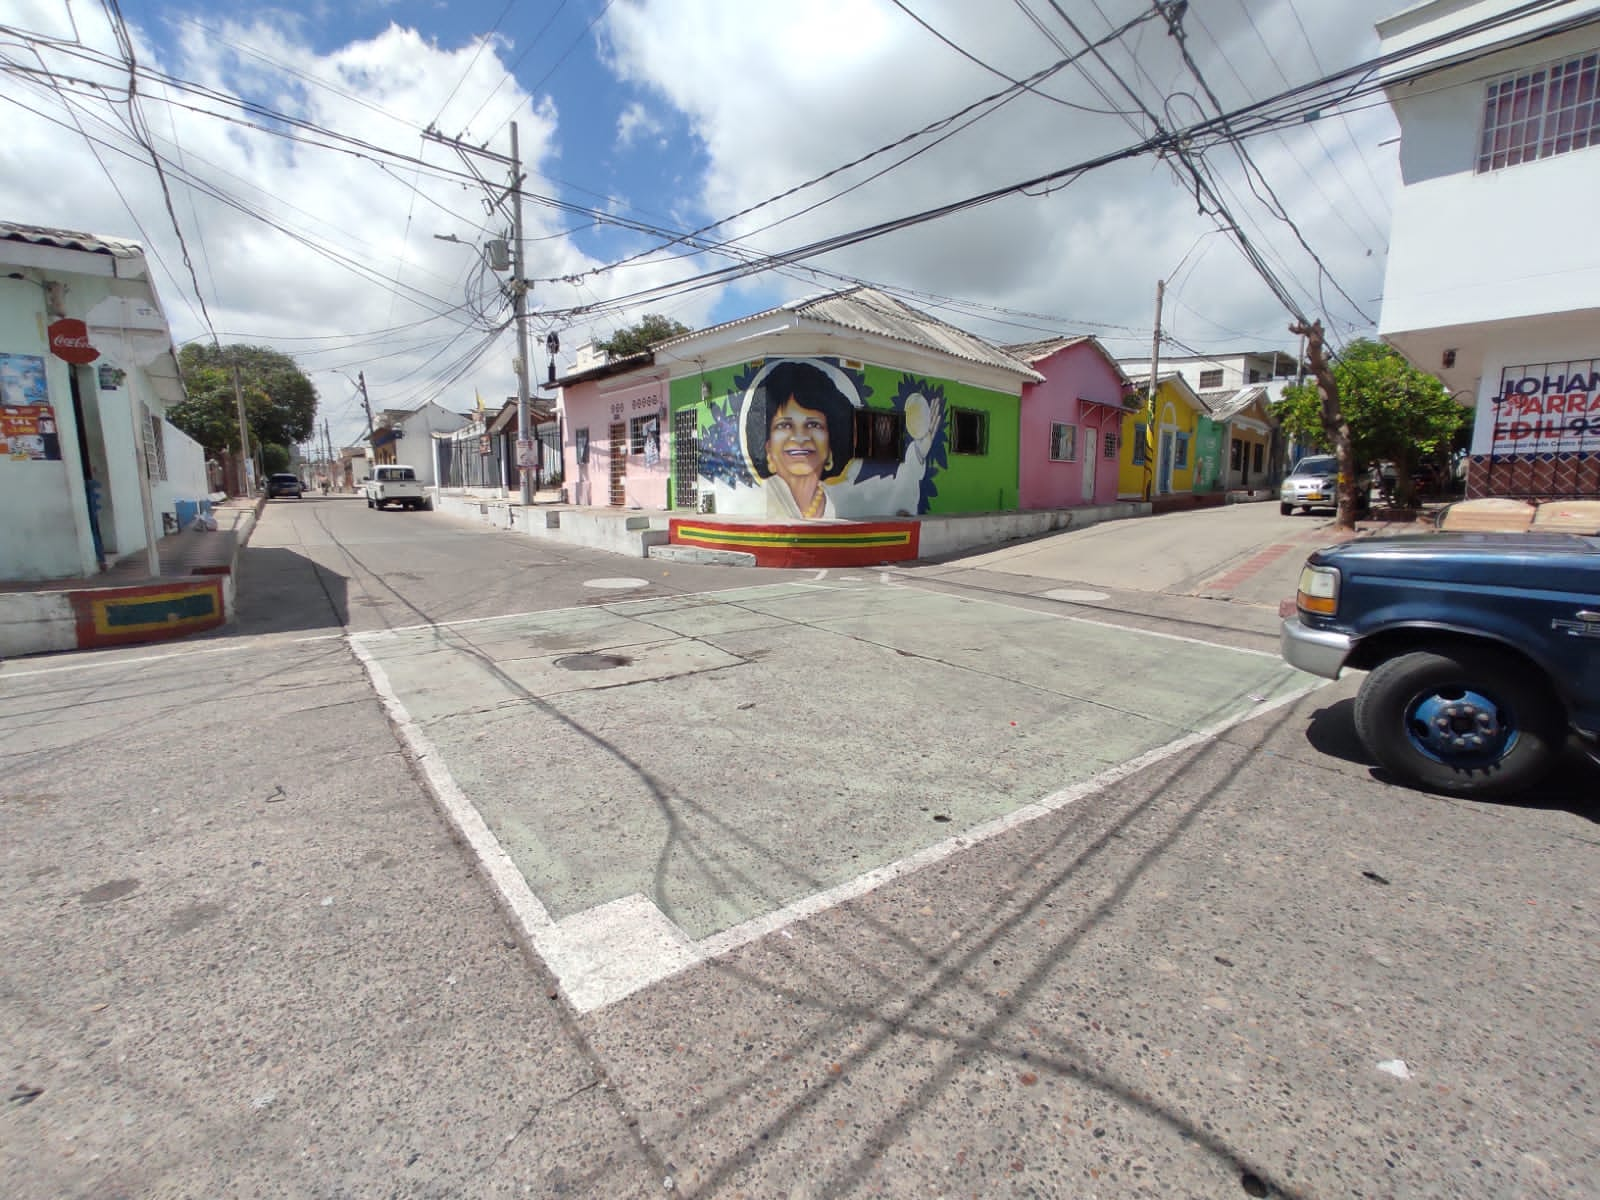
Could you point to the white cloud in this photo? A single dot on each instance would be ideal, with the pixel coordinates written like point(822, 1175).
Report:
point(636, 120)
point(778, 94)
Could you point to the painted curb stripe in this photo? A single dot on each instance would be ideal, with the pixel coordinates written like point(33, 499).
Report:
point(108, 617)
point(739, 537)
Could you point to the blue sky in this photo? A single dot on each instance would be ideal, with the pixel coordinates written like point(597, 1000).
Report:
point(640, 117)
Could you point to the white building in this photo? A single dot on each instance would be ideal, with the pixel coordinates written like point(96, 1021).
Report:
point(1220, 372)
point(405, 435)
point(90, 470)
point(1493, 281)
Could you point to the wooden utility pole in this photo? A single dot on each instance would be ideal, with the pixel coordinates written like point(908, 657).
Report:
point(1334, 427)
point(244, 435)
point(1150, 440)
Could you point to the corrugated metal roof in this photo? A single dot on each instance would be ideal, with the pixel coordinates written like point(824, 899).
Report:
point(867, 310)
point(68, 239)
point(1032, 352)
point(1141, 384)
point(1230, 402)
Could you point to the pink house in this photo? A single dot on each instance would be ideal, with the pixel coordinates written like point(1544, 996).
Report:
point(1070, 424)
point(614, 429)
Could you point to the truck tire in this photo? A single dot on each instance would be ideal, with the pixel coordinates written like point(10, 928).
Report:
point(1470, 720)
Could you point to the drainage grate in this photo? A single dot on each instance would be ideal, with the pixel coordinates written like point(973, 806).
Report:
point(593, 662)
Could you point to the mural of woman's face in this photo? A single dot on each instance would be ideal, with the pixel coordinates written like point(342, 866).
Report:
point(797, 441)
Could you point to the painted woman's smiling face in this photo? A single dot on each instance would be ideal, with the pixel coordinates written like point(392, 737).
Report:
point(797, 441)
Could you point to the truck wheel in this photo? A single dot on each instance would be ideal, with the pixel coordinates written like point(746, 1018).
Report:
point(1472, 720)
point(1286, 510)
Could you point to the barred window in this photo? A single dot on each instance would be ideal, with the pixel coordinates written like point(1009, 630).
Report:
point(970, 429)
point(1181, 459)
point(155, 447)
point(1063, 442)
point(1540, 113)
point(1109, 449)
point(1140, 443)
point(879, 434)
point(1212, 378)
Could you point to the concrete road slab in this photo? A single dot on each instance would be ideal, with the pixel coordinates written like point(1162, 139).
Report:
point(789, 783)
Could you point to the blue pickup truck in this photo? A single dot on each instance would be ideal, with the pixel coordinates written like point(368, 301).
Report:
point(1483, 651)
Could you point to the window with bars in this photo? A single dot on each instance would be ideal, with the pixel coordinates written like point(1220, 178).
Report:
point(1139, 444)
point(1063, 442)
point(878, 434)
point(637, 428)
point(1539, 113)
point(155, 447)
point(1109, 446)
point(969, 431)
point(1211, 379)
point(1181, 454)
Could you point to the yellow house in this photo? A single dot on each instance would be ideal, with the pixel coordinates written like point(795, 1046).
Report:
point(1165, 461)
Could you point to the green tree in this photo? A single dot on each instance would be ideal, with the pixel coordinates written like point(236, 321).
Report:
point(1396, 413)
point(274, 458)
point(635, 339)
point(280, 404)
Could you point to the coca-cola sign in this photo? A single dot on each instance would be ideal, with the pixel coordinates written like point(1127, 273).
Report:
point(69, 340)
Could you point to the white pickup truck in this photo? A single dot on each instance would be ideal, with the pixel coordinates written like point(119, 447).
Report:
point(395, 485)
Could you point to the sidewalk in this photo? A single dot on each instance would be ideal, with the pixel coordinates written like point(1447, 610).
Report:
point(125, 604)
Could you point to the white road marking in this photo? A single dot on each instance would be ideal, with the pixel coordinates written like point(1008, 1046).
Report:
point(619, 584)
point(1077, 620)
point(106, 664)
point(605, 954)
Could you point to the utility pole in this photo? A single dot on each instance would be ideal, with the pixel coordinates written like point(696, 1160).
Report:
point(327, 440)
point(519, 281)
point(361, 382)
point(519, 307)
point(1150, 394)
point(244, 434)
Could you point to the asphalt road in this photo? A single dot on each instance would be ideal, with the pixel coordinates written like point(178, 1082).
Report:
point(949, 880)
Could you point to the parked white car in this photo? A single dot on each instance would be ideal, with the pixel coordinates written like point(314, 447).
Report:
point(1313, 483)
point(398, 485)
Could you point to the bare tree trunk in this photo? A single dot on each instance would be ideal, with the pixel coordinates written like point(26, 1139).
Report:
point(1334, 426)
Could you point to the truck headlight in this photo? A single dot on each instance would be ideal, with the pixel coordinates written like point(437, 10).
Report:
point(1319, 590)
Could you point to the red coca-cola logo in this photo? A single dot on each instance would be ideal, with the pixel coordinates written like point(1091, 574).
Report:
point(69, 340)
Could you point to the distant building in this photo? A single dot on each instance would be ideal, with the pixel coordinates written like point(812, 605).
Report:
point(1492, 281)
point(1221, 372)
point(1238, 390)
point(405, 435)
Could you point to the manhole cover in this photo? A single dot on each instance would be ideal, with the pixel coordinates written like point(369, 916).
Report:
point(593, 662)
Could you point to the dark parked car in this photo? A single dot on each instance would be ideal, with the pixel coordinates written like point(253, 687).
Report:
point(284, 485)
point(1483, 651)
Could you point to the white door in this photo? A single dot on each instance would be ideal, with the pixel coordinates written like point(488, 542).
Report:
point(1090, 457)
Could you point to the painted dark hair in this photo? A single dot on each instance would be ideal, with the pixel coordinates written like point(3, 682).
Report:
point(810, 387)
